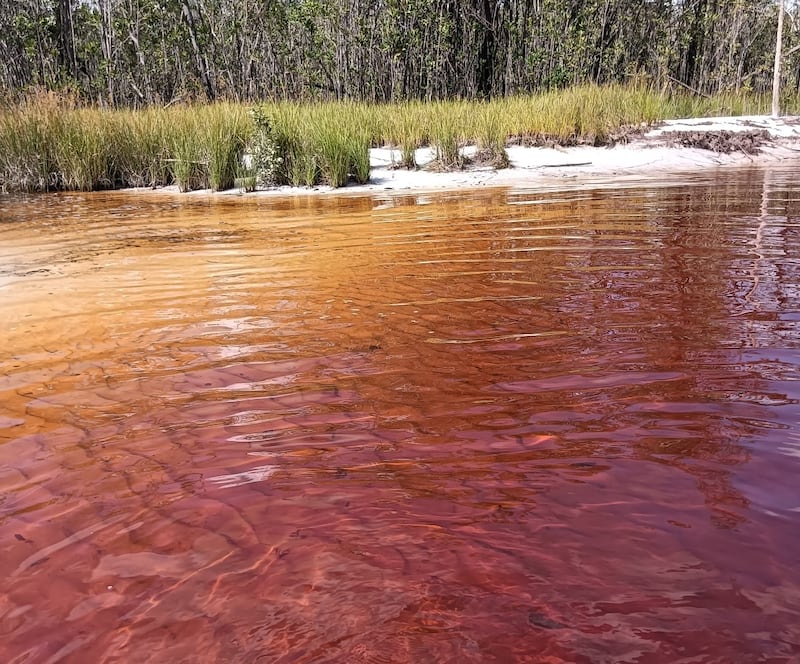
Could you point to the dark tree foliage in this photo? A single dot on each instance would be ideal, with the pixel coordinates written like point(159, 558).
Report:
point(138, 52)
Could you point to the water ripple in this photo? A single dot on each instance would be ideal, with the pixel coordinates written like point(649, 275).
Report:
point(500, 425)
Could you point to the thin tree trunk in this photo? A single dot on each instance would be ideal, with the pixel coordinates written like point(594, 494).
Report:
point(66, 37)
point(776, 76)
point(201, 63)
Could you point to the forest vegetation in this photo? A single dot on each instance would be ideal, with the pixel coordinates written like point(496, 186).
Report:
point(108, 93)
point(144, 52)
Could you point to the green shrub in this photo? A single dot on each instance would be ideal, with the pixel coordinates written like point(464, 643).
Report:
point(264, 152)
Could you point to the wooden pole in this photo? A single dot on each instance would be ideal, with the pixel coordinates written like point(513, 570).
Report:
point(776, 75)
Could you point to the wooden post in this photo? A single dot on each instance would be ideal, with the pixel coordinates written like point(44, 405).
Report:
point(776, 75)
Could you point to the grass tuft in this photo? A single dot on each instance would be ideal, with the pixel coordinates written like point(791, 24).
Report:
point(228, 130)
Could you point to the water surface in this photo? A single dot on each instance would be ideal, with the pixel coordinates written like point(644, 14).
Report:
point(494, 426)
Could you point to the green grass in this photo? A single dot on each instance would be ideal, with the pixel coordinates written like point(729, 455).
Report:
point(320, 144)
point(490, 136)
point(228, 128)
point(139, 152)
point(184, 145)
point(48, 142)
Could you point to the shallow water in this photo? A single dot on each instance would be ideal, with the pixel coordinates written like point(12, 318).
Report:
point(491, 426)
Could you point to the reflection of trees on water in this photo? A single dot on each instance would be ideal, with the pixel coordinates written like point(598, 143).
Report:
point(773, 273)
point(683, 313)
point(645, 290)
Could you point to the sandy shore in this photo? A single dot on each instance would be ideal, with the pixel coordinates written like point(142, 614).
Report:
point(654, 153)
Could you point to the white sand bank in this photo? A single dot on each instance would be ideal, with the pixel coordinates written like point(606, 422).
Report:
point(652, 154)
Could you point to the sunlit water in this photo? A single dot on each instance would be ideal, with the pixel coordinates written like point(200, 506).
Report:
point(498, 426)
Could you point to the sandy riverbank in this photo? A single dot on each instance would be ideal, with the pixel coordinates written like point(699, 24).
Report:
point(653, 153)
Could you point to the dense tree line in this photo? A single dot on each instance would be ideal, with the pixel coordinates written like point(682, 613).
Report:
point(137, 52)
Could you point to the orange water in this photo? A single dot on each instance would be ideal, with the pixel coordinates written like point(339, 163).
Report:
point(497, 426)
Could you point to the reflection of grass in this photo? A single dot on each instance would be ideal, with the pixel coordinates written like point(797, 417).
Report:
point(48, 142)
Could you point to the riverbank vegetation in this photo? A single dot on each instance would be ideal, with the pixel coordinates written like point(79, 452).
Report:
point(51, 142)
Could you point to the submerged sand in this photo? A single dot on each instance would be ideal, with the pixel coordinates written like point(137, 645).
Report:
point(654, 152)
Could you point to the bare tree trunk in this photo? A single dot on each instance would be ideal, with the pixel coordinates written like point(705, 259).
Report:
point(66, 37)
point(487, 50)
point(106, 46)
point(202, 65)
point(776, 76)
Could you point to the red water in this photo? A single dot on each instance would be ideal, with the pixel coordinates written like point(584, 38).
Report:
point(498, 426)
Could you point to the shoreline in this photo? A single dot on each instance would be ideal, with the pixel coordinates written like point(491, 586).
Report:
point(654, 153)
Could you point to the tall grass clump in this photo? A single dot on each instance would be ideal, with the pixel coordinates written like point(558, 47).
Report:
point(330, 143)
point(27, 161)
point(490, 135)
point(227, 130)
point(586, 114)
point(320, 144)
point(565, 117)
point(83, 150)
point(361, 132)
point(405, 127)
point(188, 162)
point(291, 129)
point(140, 143)
point(446, 130)
point(341, 137)
point(206, 144)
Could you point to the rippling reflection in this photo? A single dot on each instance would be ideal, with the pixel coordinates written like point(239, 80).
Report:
point(487, 427)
